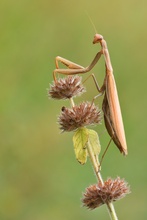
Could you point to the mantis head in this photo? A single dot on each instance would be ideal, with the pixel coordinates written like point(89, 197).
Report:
point(97, 38)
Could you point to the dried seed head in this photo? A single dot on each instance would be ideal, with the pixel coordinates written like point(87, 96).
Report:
point(79, 116)
point(67, 87)
point(112, 190)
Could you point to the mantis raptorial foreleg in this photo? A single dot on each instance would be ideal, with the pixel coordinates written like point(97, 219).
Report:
point(73, 67)
point(68, 63)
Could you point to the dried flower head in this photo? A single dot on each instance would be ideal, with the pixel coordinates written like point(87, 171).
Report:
point(79, 116)
point(67, 87)
point(111, 190)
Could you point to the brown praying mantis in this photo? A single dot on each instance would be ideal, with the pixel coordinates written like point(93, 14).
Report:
point(111, 107)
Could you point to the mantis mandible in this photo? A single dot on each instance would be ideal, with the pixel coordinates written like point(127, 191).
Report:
point(111, 107)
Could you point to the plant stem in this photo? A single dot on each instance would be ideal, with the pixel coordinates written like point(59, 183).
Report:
point(111, 211)
point(95, 163)
point(72, 102)
point(96, 166)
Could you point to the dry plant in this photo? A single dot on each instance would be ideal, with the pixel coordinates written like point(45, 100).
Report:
point(78, 117)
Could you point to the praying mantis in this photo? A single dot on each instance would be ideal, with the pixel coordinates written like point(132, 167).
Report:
point(111, 107)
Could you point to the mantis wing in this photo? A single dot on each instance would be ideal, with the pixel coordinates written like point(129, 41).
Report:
point(113, 116)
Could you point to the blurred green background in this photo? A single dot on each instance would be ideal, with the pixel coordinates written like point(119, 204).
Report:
point(40, 178)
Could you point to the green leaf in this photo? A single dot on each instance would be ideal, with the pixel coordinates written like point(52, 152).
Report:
point(80, 140)
point(94, 141)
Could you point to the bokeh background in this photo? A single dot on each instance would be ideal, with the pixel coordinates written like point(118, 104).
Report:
point(40, 178)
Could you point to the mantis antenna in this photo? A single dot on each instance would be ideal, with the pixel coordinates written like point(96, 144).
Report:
point(91, 21)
